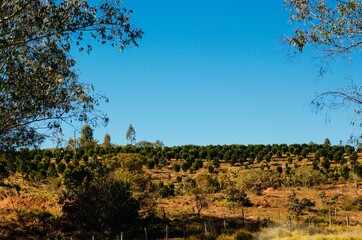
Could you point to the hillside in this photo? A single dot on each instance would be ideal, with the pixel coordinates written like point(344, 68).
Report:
point(54, 193)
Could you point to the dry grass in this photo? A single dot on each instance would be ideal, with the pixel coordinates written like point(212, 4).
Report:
point(312, 233)
point(16, 209)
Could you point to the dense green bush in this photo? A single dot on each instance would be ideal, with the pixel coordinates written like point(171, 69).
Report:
point(101, 205)
point(176, 167)
point(150, 164)
point(166, 191)
point(238, 196)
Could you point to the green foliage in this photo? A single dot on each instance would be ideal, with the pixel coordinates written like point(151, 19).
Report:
point(74, 177)
point(331, 27)
point(150, 164)
point(179, 179)
point(295, 206)
point(205, 183)
point(307, 177)
point(101, 204)
point(38, 79)
point(354, 204)
point(353, 158)
point(166, 191)
point(211, 169)
point(61, 167)
point(131, 134)
point(131, 161)
point(107, 140)
point(345, 171)
point(238, 196)
point(176, 167)
point(85, 157)
point(326, 163)
point(185, 166)
point(358, 169)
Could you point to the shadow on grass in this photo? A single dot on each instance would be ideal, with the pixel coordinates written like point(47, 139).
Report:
point(151, 228)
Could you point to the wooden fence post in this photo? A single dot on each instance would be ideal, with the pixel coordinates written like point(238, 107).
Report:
point(145, 233)
point(347, 220)
point(166, 232)
point(289, 222)
point(309, 221)
point(205, 227)
point(243, 216)
point(279, 215)
point(225, 224)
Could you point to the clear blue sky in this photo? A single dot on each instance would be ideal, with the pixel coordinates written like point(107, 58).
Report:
point(214, 72)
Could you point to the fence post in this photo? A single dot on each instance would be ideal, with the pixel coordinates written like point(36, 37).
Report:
point(289, 222)
point(279, 215)
point(347, 220)
point(309, 221)
point(205, 227)
point(92, 237)
point(145, 233)
point(166, 232)
point(225, 224)
point(243, 216)
point(121, 235)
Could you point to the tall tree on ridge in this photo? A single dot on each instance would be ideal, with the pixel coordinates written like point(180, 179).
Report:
point(131, 134)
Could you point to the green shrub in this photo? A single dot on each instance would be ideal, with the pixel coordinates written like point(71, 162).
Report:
point(354, 204)
point(131, 161)
point(211, 169)
point(101, 205)
point(238, 196)
point(167, 191)
point(176, 167)
point(150, 164)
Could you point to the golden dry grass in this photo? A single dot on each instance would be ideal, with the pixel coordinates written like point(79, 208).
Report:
point(312, 233)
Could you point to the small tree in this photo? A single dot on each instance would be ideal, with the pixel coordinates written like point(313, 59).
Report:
point(107, 140)
point(38, 78)
point(131, 134)
point(353, 158)
point(333, 28)
point(101, 204)
point(200, 203)
point(295, 206)
point(86, 140)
